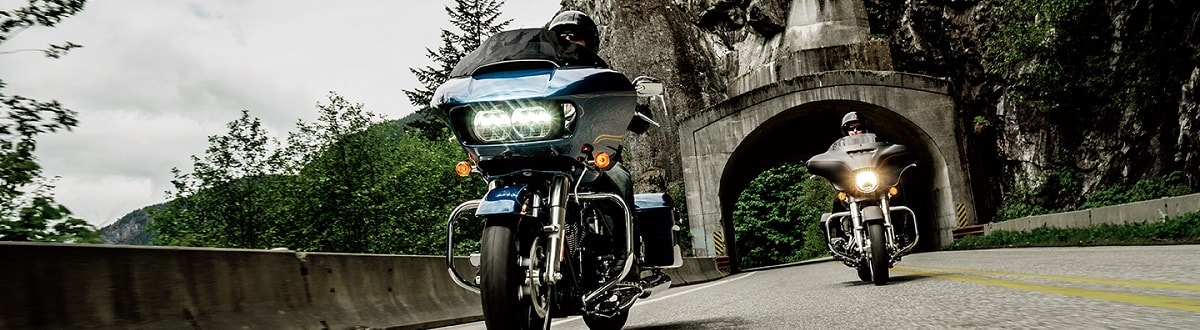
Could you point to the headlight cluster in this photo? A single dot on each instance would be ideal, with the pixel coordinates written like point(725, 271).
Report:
point(866, 181)
point(521, 121)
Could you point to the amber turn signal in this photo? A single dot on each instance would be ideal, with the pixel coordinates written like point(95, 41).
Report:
point(602, 160)
point(893, 191)
point(841, 196)
point(462, 169)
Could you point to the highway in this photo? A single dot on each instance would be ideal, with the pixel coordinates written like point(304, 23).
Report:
point(1029, 288)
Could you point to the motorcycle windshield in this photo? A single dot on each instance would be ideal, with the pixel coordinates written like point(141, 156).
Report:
point(525, 45)
point(852, 153)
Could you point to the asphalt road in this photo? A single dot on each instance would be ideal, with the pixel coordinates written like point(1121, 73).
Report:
point(1139, 287)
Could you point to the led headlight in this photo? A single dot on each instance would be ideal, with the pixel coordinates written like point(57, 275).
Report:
point(532, 122)
point(866, 181)
point(519, 121)
point(490, 125)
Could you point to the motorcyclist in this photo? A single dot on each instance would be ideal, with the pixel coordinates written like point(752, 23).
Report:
point(578, 30)
point(853, 124)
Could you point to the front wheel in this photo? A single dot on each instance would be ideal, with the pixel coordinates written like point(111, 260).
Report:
point(501, 281)
point(596, 322)
point(879, 255)
point(864, 273)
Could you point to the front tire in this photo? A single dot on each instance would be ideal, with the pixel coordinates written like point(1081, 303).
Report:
point(864, 273)
point(501, 280)
point(616, 322)
point(879, 255)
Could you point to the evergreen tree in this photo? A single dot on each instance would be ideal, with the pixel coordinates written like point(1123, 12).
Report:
point(475, 20)
point(28, 211)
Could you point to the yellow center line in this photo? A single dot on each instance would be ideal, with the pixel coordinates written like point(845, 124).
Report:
point(1191, 305)
point(1108, 281)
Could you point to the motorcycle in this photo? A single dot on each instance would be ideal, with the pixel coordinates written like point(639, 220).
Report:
point(542, 123)
point(871, 235)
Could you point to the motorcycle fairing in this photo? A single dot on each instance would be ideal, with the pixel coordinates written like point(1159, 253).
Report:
point(861, 152)
point(503, 200)
point(521, 66)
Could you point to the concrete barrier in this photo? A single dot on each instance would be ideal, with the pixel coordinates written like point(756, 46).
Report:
point(1144, 211)
point(1177, 206)
point(695, 270)
point(1156, 210)
point(61, 286)
point(72, 286)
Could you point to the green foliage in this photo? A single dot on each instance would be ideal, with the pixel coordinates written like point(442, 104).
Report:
point(28, 211)
point(223, 202)
point(1024, 202)
point(348, 182)
point(684, 235)
point(1173, 184)
point(1184, 229)
point(776, 217)
point(1019, 203)
point(475, 20)
point(1059, 52)
point(981, 121)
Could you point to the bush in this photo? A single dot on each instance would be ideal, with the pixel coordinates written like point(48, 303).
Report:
point(1184, 229)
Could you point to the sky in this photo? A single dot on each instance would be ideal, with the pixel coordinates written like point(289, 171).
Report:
point(155, 78)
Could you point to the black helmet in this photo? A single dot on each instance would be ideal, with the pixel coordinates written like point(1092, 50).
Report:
point(579, 24)
point(853, 117)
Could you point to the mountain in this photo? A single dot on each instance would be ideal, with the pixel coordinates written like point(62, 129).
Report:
point(130, 229)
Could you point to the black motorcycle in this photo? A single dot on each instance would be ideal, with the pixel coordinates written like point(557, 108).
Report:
point(542, 122)
point(871, 234)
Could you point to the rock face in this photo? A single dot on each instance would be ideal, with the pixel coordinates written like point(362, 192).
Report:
point(1127, 108)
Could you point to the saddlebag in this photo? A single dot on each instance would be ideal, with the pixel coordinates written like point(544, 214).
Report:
point(656, 218)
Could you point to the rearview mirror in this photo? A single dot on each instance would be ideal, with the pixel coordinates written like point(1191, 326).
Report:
point(648, 86)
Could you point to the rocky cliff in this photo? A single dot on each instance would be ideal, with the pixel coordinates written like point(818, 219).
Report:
point(1064, 96)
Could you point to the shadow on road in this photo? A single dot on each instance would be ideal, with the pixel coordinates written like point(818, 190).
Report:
point(710, 323)
point(891, 280)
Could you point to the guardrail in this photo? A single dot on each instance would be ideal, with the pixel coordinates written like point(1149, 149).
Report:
point(60, 286)
point(1156, 210)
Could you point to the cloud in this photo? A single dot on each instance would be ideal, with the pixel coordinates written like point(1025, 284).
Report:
point(155, 78)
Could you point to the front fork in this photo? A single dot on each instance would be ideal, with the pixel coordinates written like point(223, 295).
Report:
point(860, 229)
point(560, 194)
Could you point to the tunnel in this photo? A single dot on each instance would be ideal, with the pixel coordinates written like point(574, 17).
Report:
point(796, 134)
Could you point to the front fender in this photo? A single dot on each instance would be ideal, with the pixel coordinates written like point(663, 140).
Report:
point(503, 200)
point(872, 213)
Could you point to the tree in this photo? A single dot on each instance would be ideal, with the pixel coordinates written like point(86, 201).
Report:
point(776, 217)
point(348, 182)
point(223, 202)
point(476, 20)
point(28, 211)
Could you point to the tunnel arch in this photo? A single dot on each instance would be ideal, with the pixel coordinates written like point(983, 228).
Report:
point(728, 145)
point(796, 134)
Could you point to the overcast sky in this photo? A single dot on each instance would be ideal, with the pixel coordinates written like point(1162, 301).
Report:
point(155, 78)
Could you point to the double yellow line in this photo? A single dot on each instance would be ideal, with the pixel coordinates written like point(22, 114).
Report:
point(975, 276)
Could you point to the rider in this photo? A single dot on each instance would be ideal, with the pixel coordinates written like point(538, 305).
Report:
point(579, 30)
point(853, 124)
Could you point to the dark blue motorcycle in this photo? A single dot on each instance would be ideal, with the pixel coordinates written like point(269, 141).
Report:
point(542, 122)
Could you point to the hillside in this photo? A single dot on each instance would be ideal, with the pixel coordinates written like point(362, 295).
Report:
point(130, 229)
point(1059, 98)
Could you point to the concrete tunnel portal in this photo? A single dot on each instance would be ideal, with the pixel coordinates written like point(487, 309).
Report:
point(797, 134)
point(728, 145)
